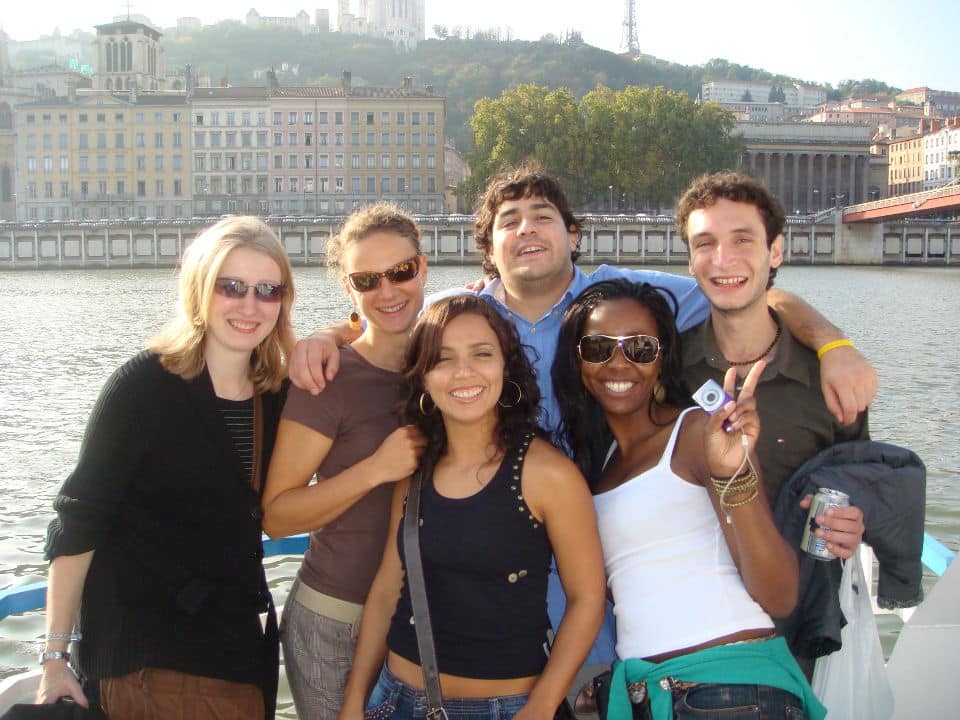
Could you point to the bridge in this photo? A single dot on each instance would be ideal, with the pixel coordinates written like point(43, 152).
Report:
point(940, 201)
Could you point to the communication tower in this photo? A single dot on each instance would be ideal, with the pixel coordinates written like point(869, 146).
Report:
point(630, 44)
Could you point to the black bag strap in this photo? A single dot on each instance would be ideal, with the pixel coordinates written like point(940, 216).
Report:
point(418, 599)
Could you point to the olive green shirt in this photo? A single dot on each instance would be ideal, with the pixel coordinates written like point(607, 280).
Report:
point(794, 421)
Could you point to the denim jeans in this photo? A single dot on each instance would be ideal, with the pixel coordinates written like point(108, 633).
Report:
point(710, 701)
point(317, 655)
point(393, 698)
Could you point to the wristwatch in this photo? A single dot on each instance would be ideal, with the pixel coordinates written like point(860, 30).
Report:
point(54, 655)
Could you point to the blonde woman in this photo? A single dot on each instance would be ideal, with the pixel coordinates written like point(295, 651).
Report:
point(350, 437)
point(157, 535)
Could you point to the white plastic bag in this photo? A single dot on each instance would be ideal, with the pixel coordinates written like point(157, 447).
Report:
point(852, 682)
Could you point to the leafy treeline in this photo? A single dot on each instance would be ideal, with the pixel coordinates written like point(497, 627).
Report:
point(614, 150)
point(463, 70)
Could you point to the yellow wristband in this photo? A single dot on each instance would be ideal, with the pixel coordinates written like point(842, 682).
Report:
point(833, 346)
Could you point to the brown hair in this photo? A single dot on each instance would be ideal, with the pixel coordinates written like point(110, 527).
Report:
point(706, 190)
point(423, 353)
point(515, 183)
point(380, 217)
point(180, 344)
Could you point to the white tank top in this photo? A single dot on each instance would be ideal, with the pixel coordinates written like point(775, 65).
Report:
point(673, 580)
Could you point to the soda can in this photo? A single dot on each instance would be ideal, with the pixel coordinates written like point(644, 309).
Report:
point(825, 498)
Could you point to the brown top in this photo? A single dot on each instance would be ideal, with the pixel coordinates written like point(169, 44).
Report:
point(357, 411)
point(794, 421)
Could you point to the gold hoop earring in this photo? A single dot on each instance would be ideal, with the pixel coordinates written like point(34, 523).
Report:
point(659, 393)
point(424, 396)
point(516, 402)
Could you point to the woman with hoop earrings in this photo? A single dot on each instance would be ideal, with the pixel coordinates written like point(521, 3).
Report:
point(351, 439)
point(496, 502)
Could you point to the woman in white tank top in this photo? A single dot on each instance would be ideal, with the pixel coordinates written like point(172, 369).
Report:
point(695, 564)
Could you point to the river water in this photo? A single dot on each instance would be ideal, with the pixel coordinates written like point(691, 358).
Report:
point(64, 332)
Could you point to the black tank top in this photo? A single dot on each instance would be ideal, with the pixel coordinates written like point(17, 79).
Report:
point(485, 561)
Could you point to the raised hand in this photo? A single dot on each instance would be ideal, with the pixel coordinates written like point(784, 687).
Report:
point(725, 449)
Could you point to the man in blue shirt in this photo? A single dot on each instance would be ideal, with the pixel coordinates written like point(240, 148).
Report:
point(529, 238)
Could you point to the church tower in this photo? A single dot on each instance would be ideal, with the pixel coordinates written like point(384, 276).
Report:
point(401, 21)
point(127, 55)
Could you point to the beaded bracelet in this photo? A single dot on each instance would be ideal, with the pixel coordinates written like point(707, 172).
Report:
point(64, 636)
point(739, 503)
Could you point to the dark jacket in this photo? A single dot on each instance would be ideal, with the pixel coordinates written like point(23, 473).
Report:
point(888, 484)
point(160, 493)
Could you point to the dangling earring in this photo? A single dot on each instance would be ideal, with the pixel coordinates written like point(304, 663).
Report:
point(423, 411)
point(516, 402)
point(354, 321)
point(659, 393)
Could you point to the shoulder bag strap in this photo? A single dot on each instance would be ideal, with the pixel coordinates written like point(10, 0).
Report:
point(418, 599)
point(255, 476)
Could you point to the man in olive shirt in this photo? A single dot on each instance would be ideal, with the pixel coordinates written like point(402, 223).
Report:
point(732, 226)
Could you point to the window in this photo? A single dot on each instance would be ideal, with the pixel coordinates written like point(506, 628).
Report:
point(338, 118)
point(246, 161)
point(354, 118)
point(84, 189)
point(177, 139)
point(198, 119)
point(308, 117)
point(308, 138)
point(431, 138)
point(338, 184)
point(178, 188)
point(401, 117)
point(338, 138)
point(370, 116)
point(200, 139)
point(245, 117)
point(415, 117)
point(384, 185)
point(84, 163)
point(82, 141)
point(401, 184)
point(338, 161)
point(322, 139)
point(371, 184)
point(291, 118)
point(431, 118)
point(292, 161)
point(216, 140)
point(120, 187)
point(199, 162)
point(431, 161)
point(401, 162)
point(278, 184)
point(177, 117)
point(140, 140)
point(231, 139)
point(231, 162)
point(308, 184)
point(261, 119)
point(64, 189)
point(401, 139)
point(355, 161)
point(48, 189)
point(415, 162)
point(415, 184)
point(293, 184)
point(101, 163)
point(178, 162)
point(385, 161)
point(291, 138)
point(308, 161)
point(415, 139)
point(214, 118)
point(371, 161)
point(261, 161)
point(277, 117)
point(231, 119)
point(159, 188)
point(277, 139)
point(246, 139)
point(261, 138)
point(322, 118)
point(31, 164)
point(82, 117)
point(371, 138)
point(158, 163)
point(278, 162)
point(323, 161)
point(64, 163)
point(101, 117)
point(385, 117)
point(354, 184)
point(101, 141)
point(355, 138)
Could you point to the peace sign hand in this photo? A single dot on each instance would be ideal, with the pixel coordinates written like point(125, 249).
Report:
point(725, 449)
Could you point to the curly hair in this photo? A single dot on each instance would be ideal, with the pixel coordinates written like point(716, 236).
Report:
point(516, 183)
point(706, 190)
point(423, 353)
point(583, 428)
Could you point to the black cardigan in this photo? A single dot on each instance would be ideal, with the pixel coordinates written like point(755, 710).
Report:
point(159, 492)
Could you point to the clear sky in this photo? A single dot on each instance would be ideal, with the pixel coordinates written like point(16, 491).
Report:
point(905, 44)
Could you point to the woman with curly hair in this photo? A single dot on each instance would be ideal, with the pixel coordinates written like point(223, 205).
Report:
point(496, 502)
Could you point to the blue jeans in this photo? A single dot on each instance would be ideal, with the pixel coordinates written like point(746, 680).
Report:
point(393, 698)
point(711, 701)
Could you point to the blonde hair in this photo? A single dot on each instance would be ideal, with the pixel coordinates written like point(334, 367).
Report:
point(180, 343)
point(380, 217)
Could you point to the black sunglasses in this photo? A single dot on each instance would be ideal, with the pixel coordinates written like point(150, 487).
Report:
point(638, 349)
point(402, 272)
point(262, 291)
